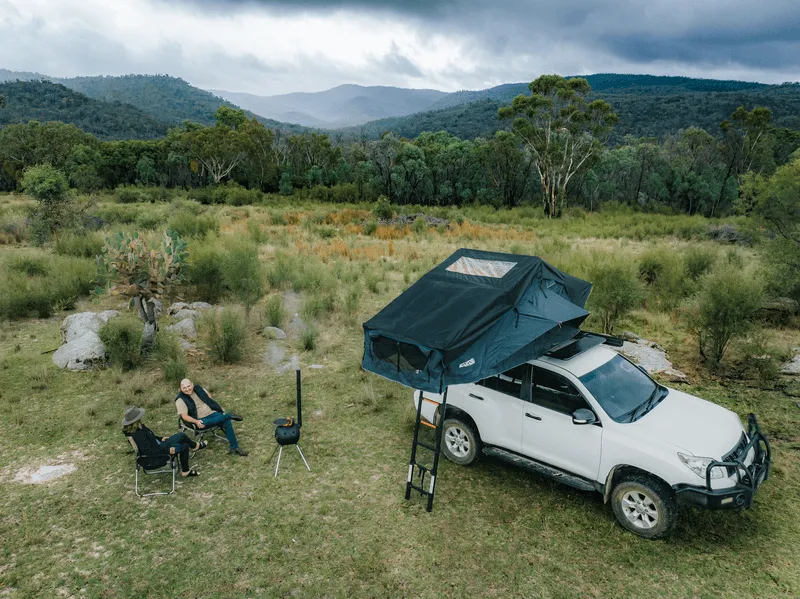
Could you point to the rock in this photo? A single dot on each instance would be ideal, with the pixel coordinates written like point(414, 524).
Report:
point(81, 353)
point(177, 307)
point(652, 358)
point(186, 345)
point(184, 314)
point(779, 310)
point(107, 315)
point(408, 219)
point(296, 327)
point(200, 306)
point(317, 366)
point(274, 333)
point(185, 328)
point(793, 365)
point(726, 234)
point(274, 354)
point(159, 306)
point(77, 325)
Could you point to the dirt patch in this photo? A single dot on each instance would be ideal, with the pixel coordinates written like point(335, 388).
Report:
point(43, 474)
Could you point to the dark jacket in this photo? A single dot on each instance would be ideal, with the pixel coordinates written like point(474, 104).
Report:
point(201, 393)
point(151, 446)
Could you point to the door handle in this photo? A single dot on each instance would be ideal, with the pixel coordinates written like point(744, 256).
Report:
point(534, 416)
point(476, 396)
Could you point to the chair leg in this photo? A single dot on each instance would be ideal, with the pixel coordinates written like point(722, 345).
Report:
point(304, 457)
point(279, 461)
point(136, 484)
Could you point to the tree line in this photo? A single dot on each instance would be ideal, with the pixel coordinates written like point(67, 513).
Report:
point(556, 154)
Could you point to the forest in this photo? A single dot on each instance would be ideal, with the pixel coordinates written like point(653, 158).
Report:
point(690, 171)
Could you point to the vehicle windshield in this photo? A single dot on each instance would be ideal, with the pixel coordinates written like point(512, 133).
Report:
point(621, 389)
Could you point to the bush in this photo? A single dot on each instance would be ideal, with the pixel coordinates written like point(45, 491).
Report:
point(317, 305)
point(189, 225)
point(257, 235)
point(87, 245)
point(205, 270)
point(420, 225)
point(169, 356)
point(33, 266)
point(383, 209)
point(149, 220)
point(352, 301)
point(130, 194)
point(370, 227)
point(698, 261)
point(615, 291)
point(274, 311)
point(122, 337)
point(308, 338)
point(664, 273)
point(236, 195)
point(242, 273)
point(225, 335)
point(54, 209)
point(726, 307)
point(762, 360)
point(371, 281)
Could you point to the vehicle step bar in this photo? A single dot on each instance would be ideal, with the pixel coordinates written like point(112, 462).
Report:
point(539, 468)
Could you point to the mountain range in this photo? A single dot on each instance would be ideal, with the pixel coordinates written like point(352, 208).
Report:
point(143, 106)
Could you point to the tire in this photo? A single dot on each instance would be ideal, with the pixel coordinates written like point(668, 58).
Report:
point(460, 442)
point(645, 506)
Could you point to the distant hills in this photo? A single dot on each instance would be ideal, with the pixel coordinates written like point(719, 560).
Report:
point(338, 107)
point(168, 100)
point(143, 106)
point(47, 101)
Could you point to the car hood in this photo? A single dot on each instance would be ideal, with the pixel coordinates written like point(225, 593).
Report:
point(691, 424)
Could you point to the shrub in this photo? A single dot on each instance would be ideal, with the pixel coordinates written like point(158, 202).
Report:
point(274, 311)
point(352, 301)
point(664, 273)
point(698, 261)
point(370, 227)
point(87, 245)
point(308, 338)
point(130, 194)
point(122, 337)
point(225, 335)
point(615, 291)
point(726, 307)
point(168, 354)
point(189, 225)
point(236, 195)
point(149, 220)
point(762, 360)
point(383, 209)
point(317, 305)
point(54, 209)
point(371, 281)
point(205, 271)
point(257, 235)
point(242, 273)
point(33, 266)
point(420, 225)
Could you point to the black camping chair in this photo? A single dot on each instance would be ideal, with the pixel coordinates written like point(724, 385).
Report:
point(216, 430)
point(169, 464)
point(287, 432)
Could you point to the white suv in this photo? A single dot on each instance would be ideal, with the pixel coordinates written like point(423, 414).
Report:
point(588, 417)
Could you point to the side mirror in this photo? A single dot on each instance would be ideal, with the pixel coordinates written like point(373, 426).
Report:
point(583, 416)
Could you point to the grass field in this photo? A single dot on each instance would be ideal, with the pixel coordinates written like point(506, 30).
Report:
point(345, 530)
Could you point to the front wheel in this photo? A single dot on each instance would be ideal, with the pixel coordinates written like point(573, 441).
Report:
point(460, 442)
point(645, 506)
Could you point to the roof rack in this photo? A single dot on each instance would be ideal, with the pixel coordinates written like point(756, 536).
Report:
point(582, 342)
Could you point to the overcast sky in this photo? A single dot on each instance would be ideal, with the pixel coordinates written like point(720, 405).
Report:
point(276, 46)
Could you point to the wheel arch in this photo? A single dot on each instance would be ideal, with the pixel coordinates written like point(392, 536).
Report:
point(622, 471)
point(455, 412)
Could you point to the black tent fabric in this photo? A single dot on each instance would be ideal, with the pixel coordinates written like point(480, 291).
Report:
point(476, 314)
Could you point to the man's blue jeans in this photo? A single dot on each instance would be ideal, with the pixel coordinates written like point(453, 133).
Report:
point(225, 421)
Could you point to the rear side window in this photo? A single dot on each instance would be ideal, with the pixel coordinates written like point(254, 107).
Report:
point(511, 382)
point(554, 392)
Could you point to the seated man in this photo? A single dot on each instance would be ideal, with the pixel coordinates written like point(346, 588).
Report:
point(196, 406)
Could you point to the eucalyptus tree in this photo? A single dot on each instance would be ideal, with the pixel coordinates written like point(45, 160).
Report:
point(561, 129)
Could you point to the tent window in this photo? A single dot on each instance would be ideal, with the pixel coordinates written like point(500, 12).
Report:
point(495, 269)
point(404, 356)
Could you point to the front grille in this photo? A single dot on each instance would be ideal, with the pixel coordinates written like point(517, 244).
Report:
point(737, 453)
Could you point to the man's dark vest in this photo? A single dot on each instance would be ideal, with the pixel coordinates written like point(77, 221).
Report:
point(201, 393)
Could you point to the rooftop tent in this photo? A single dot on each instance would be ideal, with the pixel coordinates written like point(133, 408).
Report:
point(476, 314)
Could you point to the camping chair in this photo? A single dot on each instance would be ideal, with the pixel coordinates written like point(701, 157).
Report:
point(171, 466)
point(216, 430)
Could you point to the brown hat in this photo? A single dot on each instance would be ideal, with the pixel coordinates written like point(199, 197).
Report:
point(132, 415)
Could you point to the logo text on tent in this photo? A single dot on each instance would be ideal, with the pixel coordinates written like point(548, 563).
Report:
point(469, 362)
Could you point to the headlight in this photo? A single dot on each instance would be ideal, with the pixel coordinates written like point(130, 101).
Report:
point(700, 465)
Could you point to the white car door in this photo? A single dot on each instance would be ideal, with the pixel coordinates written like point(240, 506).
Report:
point(496, 405)
point(548, 433)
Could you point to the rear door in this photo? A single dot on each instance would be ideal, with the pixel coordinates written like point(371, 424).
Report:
point(548, 433)
point(496, 404)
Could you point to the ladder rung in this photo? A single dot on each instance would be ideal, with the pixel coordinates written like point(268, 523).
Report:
point(420, 489)
point(426, 446)
point(428, 424)
point(436, 403)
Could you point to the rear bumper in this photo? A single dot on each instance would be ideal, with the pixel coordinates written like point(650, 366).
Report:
point(748, 478)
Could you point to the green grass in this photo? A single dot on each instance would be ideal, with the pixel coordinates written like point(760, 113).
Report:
point(344, 529)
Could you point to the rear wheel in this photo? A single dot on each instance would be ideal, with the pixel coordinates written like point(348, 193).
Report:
point(460, 442)
point(645, 505)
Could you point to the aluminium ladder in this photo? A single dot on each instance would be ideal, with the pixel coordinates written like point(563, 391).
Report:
point(415, 468)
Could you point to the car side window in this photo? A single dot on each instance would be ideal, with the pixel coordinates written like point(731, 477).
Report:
point(554, 392)
point(512, 382)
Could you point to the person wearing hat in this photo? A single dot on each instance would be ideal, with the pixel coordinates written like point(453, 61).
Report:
point(154, 447)
point(196, 406)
